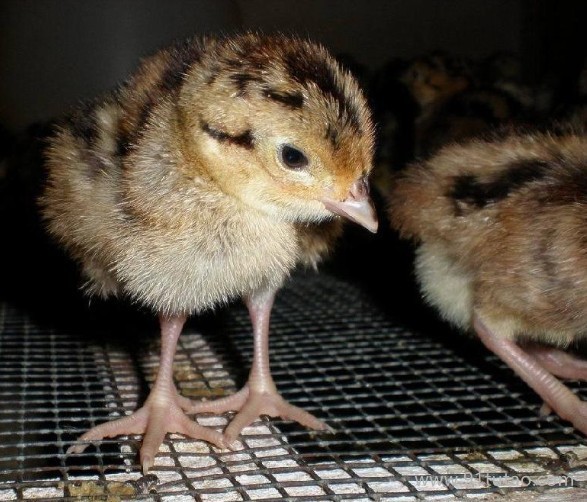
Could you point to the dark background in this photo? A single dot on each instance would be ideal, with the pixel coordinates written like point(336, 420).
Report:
point(54, 53)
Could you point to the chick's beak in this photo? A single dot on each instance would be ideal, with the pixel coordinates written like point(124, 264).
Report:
point(357, 206)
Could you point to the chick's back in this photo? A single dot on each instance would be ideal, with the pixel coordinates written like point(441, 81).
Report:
point(501, 228)
point(169, 190)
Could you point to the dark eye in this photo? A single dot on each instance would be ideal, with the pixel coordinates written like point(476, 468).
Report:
point(293, 158)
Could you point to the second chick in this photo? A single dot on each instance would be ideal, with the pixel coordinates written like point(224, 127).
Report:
point(500, 226)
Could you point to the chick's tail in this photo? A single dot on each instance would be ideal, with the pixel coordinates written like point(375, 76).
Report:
point(413, 204)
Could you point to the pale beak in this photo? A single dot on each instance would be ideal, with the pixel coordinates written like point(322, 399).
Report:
point(357, 206)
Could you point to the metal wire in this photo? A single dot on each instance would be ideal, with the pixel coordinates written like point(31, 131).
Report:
point(413, 418)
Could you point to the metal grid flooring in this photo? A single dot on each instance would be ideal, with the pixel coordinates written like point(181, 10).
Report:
point(414, 418)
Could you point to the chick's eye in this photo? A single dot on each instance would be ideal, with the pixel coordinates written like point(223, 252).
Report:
point(293, 158)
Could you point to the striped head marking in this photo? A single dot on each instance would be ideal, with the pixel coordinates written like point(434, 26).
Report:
point(285, 120)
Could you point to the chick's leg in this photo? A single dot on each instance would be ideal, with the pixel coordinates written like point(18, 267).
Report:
point(555, 394)
point(162, 411)
point(559, 362)
point(259, 396)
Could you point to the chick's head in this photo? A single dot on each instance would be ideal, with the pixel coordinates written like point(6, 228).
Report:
point(276, 123)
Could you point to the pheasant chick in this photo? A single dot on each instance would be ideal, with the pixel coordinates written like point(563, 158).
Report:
point(501, 231)
point(217, 168)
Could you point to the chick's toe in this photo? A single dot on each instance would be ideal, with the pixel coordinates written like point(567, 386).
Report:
point(251, 404)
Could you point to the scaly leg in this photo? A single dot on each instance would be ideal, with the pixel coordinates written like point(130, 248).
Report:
point(259, 396)
point(558, 362)
point(555, 394)
point(162, 411)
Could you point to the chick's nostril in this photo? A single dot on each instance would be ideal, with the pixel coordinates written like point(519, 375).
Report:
point(360, 189)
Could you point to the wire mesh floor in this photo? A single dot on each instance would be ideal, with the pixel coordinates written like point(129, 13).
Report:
point(413, 417)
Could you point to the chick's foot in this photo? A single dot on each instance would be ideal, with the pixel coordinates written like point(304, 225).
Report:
point(259, 396)
point(251, 404)
point(163, 410)
point(556, 395)
point(161, 413)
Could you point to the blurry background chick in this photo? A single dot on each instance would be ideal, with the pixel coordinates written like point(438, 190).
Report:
point(209, 175)
point(468, 114)
point(500, 228)
point(406, 95)
point(433, 79)
point(438, 98)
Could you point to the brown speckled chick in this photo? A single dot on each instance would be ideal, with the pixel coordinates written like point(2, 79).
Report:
point(216, 169)
point(501, 229)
